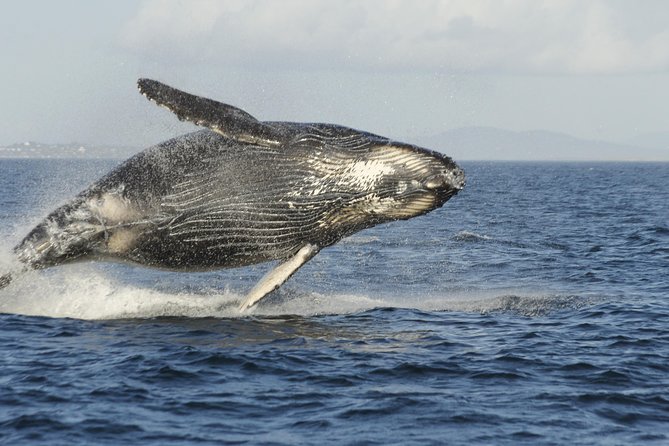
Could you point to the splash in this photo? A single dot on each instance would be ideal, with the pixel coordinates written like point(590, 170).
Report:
point(85, 292)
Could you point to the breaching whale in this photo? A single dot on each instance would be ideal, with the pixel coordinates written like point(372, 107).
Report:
point(238, 193)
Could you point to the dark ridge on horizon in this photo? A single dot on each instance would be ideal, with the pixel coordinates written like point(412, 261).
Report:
point(474, 143)
point(494, 144)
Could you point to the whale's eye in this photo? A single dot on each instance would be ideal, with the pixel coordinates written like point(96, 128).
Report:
point(434, 182)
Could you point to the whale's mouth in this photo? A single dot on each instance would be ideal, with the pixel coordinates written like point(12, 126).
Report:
point(445, 184)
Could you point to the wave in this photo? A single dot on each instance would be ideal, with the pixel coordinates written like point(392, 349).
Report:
point(468, 236)
point(82, 292)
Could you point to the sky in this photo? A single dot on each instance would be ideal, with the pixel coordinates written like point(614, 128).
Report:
point(401, 68)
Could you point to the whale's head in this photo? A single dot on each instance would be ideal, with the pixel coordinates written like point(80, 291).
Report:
point(392, 181)
point(414, 181)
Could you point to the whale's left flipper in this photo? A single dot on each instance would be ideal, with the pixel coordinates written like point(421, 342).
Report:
point(224, 119)
point(273, 279)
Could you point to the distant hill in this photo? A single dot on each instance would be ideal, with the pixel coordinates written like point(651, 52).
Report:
point(31, 149)
point(466, 143)
point(657, 140)
point(488, 143)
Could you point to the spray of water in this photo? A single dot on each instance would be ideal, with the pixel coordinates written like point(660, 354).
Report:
point(84, 292)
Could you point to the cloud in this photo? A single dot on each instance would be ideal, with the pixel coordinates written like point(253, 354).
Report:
point(512, 36)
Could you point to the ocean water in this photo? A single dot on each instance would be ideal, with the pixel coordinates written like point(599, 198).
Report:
point(532, 309)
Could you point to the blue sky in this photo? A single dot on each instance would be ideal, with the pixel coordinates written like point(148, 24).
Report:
point(596, 69)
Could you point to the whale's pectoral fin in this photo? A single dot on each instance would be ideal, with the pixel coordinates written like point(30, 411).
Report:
point(273, 279)
point(224, 119)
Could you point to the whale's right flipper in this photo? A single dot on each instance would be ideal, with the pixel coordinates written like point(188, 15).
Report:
point(224, 119)
point(273, 280)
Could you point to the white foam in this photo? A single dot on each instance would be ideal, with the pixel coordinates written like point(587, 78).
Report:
point(84, 292)
point(91, 295)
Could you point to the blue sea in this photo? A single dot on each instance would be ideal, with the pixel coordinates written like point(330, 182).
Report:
point(533, 308)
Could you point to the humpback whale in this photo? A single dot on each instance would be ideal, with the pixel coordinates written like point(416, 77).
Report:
point(240, 192)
